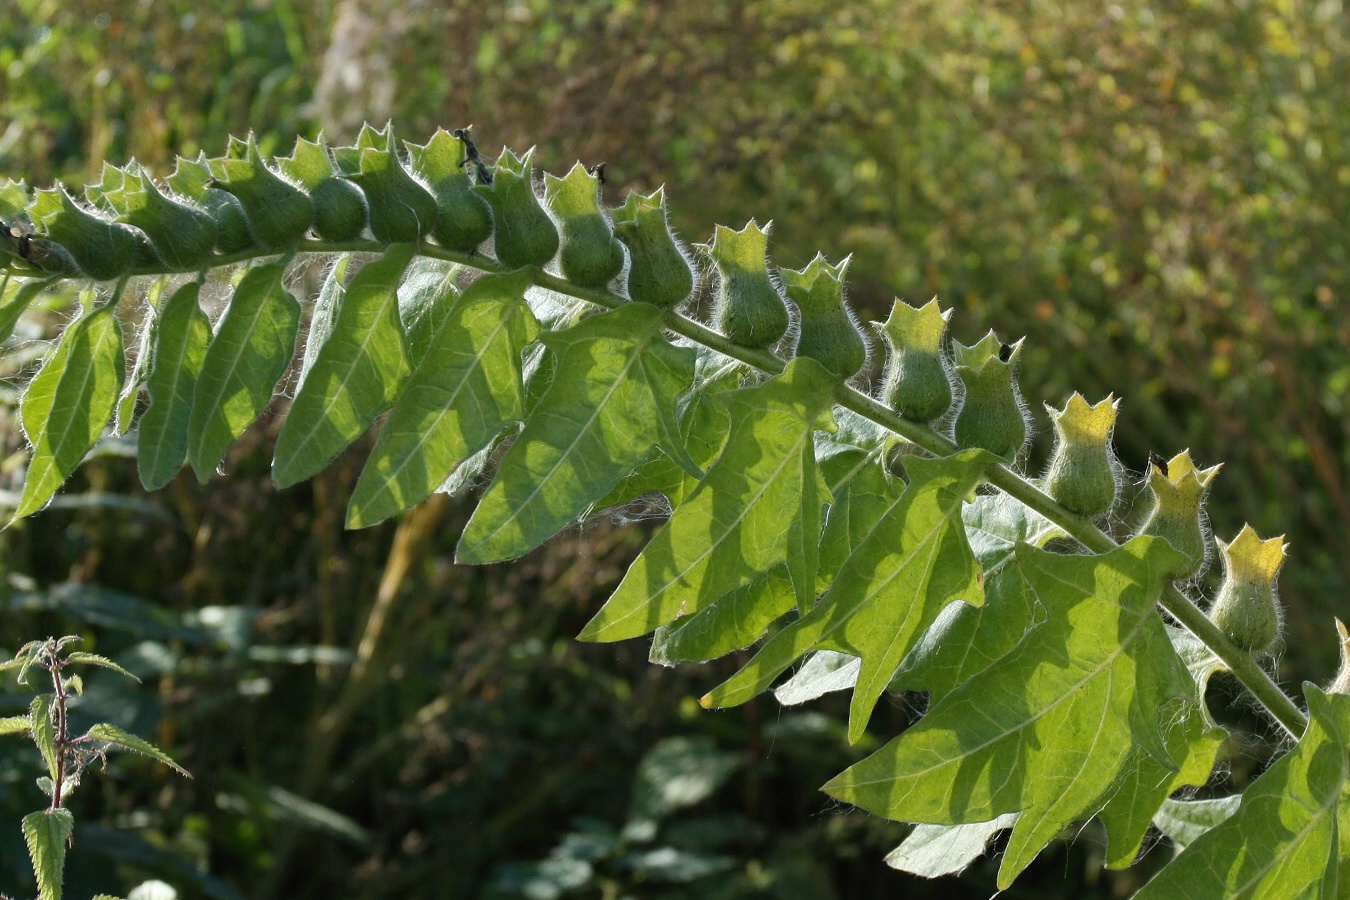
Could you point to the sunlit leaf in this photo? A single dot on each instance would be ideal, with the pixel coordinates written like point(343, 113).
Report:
point(612, 399)
point(182, 333)
point(736, 525)
point(251, 349)
point(1284, 839)
point(356, 375)
point(467, 388)
point(911, 562)
point(68, 403)
point(1039, 732)
point(47, 834)
point(114, 735)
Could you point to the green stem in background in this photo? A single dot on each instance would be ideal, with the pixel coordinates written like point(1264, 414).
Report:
point(1259, 682)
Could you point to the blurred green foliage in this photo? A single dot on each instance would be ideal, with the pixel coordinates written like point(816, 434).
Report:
point(1156, 195)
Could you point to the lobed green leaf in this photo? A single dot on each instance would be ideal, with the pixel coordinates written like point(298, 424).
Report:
point(737, 524)
point(612, 399)
point(1285, 839)
point(356, 374)
point(249, 353)
point(466, 389)
point(68, 403)
point(1038, 733)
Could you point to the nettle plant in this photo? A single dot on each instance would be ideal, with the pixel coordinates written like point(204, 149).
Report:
point(883, 539)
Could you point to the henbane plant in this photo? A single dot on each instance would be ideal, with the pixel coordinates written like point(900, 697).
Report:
point(874, 540)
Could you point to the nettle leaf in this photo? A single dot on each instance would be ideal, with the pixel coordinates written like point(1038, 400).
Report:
point(612, 399)
point(93, 659)
point(1284, 840)
point(912, 562)
point(44, 731)
point(467, 388)
point(17, 297)
point(738, 523)
point(1183, 821)
point(355, 376)
point(15, 725)
point(251, 349)
point(181, 335)
point(114, 735)
point(1039, 732)
point(68, 403)
point(47, 834)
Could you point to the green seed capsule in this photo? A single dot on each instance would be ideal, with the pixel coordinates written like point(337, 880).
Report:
point(659, 271)
point(193, 180)
point(917, 382)
point(463, 219)
point(401, 209)
point(828, 334)
point(1246, 608)
point(278, 212)
point(525, 235)
point(590, 256)
point(991, 414)
point(339, 205)
point(182, 235)
point(749, 307)
point(1082, 474)
point(1176, 515)
point(101, 248)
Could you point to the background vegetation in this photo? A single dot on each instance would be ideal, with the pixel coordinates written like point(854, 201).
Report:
point(1156, 196)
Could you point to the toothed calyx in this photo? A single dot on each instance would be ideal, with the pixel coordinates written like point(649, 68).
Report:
point(590, 255)
point(749, 308)
point(192, 179)
point(182, 236)
point(1177, 512)
point(1082, 475)
point(463, 218)
point(659, 272)
point(829, 333)
point(991, 416)
point(917, 381)
point(277, 212)
point(339, 205)
point(401, 209)
point(1246, 608)
point(525, 235)
point(100, 247)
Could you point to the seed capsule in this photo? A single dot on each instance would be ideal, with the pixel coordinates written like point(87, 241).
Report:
point(463, 218)
point(278, 212)
point(1083, 472)
point(829, 334)
point(749, 307)
point(401, 210)
point(339, 206)
point(917, 382)
point(524, 234)
point(659, 271)
point(1247, 608)
point(590, 254)
point(1176, 514)
point(991, 415)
